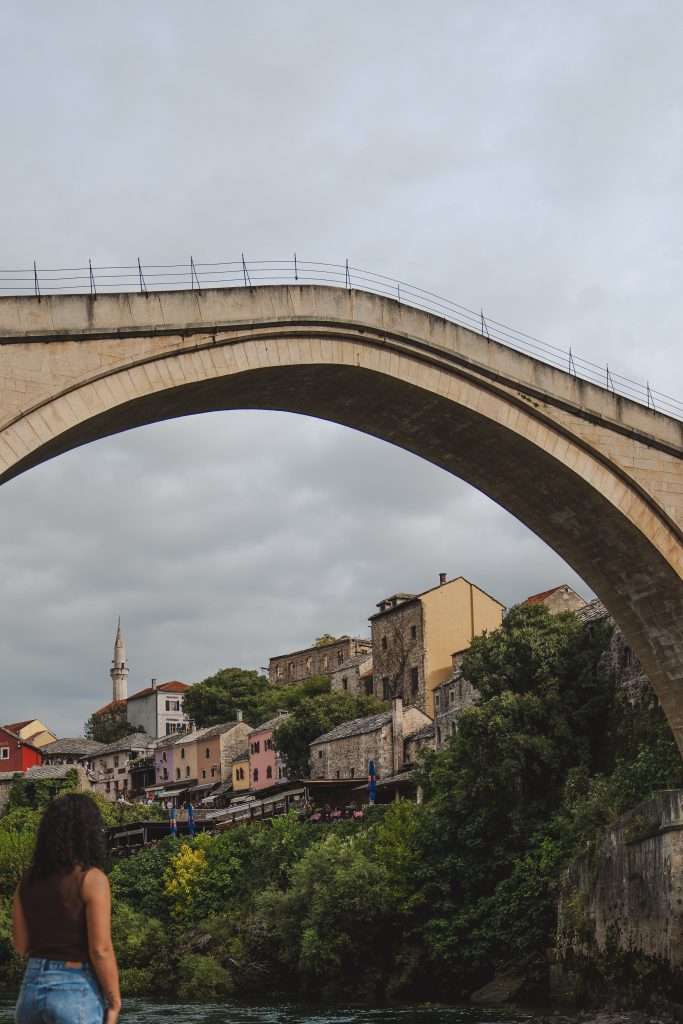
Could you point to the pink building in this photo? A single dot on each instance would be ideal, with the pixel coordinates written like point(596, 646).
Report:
point(266, 767)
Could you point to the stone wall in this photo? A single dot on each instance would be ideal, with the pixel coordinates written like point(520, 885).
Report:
point(629, 894)
point(347, 678)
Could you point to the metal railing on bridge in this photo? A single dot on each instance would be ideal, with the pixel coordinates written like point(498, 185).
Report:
point(197, 276)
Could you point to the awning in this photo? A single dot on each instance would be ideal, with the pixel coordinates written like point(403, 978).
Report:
point(203, 788)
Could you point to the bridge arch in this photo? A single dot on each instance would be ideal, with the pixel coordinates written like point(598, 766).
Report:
point(597, 477)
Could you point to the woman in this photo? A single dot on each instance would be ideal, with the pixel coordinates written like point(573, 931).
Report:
point(61, 918)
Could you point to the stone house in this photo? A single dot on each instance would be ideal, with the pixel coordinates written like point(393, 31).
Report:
point(414, 635)
point(353, 674)
point(320, 660)
point(158, 709)
point(620, 660)
point(266, 766)
point(113, 773)
point(558, 599)
point(451, 698)
point(74, 750)
point(345, 751)
point(423, 739)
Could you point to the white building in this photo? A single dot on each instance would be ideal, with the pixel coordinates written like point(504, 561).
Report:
point(116, 772)
point(158, 709)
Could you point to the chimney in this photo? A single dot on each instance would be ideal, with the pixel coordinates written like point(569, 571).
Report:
point(397, 734)
point(238, 714)
point(154, 684)
point(443, 578)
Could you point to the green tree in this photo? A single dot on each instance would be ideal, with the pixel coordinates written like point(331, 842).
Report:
point(219, 697)
point(326, 638)
point(109, 728)
point(312, 717)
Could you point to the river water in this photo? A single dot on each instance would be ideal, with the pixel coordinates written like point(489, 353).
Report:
point(138, 1011)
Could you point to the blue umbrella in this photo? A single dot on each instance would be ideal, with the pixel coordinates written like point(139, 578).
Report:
point(372, 782)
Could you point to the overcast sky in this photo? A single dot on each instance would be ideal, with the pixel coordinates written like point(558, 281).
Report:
point(521, 156)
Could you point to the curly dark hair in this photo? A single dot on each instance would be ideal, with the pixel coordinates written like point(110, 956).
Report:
point(71, 832)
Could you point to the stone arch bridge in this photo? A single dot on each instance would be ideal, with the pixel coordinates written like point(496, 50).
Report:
point(596, 476)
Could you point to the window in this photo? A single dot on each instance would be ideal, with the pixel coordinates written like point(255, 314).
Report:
point(187, 772)
point(173, 705)
point(326, 662)
point(108, 787)
point(340, 657)
point(386, 689)
point(628, 656)
point(413, 632)
point(460, 689)
point(4, 753)
point(353, 772)
point(384, 643)
point(182, 753)
point(291, 668)
point(116, 760)
point(309, 664)
point(203, 773)
point(213, 773)
point(177, 773)
point(165, 773)
point(207, 753)
point(320, 753)
point(163, 756)
point(438, 734)
point(345, 682)
point(369, 687)
point(437, 702)
point(451, 695)
point(269, 772)
point(256, 747)
point(255, 774)
point(278, 672)
point(414, 681)
point(337, 773)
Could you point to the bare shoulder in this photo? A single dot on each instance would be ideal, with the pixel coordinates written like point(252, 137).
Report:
point(95, 883)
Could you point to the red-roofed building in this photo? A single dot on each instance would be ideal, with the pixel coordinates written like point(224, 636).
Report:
point(558, 599)
point(32, 730)
point(17, 755)
point(158, 709)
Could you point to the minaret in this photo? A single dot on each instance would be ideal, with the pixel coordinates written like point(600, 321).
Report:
point(119, 668)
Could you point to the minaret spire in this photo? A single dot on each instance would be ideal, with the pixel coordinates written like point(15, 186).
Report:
point(119, 666)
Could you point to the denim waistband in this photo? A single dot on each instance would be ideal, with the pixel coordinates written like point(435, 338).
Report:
point(37, 964)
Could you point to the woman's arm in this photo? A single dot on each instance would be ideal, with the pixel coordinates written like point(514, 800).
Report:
point(97, 899)
point(19, 926)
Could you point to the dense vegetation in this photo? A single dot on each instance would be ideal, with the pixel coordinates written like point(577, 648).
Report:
point(416, 902)
point(313, 709)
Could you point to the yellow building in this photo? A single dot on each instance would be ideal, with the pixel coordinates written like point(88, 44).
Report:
point(414, 635)
point(240, 771)
point(33, 731)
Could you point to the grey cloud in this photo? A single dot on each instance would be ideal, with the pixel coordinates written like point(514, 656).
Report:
point(521, 157)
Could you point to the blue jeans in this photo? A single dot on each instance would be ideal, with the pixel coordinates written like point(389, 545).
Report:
point(52, 993)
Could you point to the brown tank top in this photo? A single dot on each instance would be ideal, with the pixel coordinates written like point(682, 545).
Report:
point(55, 916)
